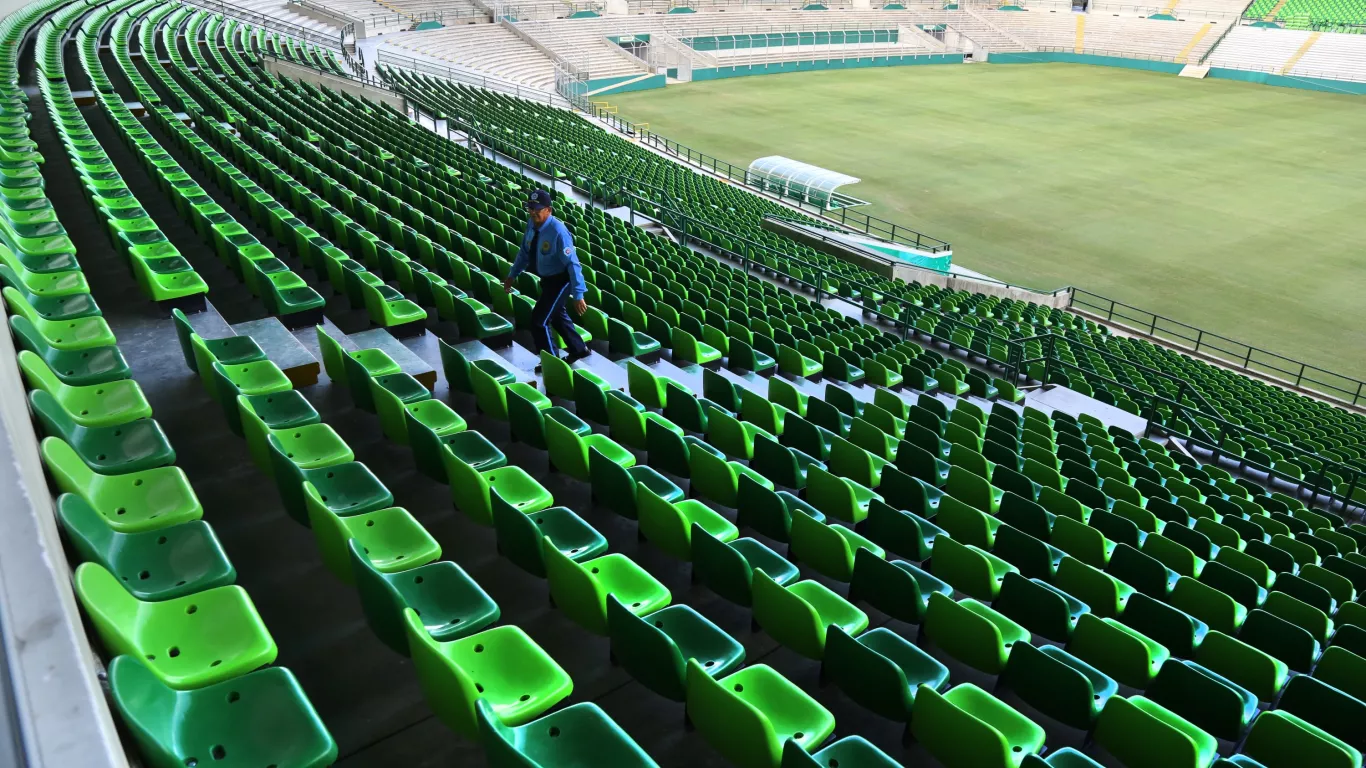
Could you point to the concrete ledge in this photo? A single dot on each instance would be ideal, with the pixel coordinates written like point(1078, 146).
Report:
point(335, 82)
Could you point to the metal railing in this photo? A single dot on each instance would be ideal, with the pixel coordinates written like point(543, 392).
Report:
point(1230, 353)
point(270, 23)
point(467, 77)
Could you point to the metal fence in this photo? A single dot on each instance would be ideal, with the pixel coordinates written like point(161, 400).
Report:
point(1233, 354)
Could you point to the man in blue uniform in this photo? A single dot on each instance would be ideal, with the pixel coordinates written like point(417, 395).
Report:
point(548, 252)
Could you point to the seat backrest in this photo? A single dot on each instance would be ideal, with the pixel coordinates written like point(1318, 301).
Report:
point(54, 418)
point(645, 651)
point(734, 727)
point(86, 528)
point(333, 355)
point(577, 594)
point(946, 729)
point(67, 467)
point(1139, 731)
point(113, 609)
point(787, 617)
point(38, 374)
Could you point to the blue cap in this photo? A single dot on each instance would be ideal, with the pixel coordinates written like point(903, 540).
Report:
point(538, 200)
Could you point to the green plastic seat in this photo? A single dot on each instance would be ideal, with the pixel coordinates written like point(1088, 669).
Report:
point(450, 603)
point(968, 568)
point(829, 549)
point(749, 715)
point(655, 649)
point(1058, 684)
point(850, 751)
point(618, 488)
point(1326, 707)
point(728, 568)
point(71, 334)
point(259, 718)
point(132, 502)
point(1104, 594)
point(1141, 733)
point(527, 420)
point(1210, 701)
point(799, 615)
point(72, 367)
point(471, 489)
point(1243, 664)
point(880, 670)
point(838, 497)
point(972, 632)
point(1039, 606)
point(309, 446)
point(901, 531)
point(501, 667)
point(670, 525)
point(391, 538)
point(457, 369)
point(112, 450)
point(580, 590)
point(569, 450)
point(187, 642)
point(1130, 657)
point(259, 415)
point(153, 565)
point(520, 534)
point(969, 728)
point(897, 588)
point(92, 405)
point(579, 736)
point(1279, 739)
point(428, 422)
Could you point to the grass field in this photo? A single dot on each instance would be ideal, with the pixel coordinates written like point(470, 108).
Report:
point(1234, 207)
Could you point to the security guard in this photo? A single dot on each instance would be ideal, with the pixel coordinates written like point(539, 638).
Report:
point(548, 252)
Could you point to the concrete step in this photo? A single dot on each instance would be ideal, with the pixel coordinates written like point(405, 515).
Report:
point(1198, 71)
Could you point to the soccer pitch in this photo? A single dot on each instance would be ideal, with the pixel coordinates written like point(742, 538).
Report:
point(1234, 207)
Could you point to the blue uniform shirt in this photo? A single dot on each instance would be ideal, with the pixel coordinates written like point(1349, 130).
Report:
point(555, 255)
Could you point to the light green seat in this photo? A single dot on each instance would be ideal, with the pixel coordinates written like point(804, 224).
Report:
point(580, 590)
point(501, 667)
point(391, 538)
point(1130, 657)
point(749, 715)
point(829, 549)
point(471, 489)
point(70, 334)
point(799, 615)
point(91, 405)
point(1143, 734)
point(1279, 739)
point(972, 632)
point(132, 502)
point(838, 497)
point(1104, 594)
point(969, 728)
point(569, 450)
point(669, 524)
point(188, 642)
point(715, 478)
point(969, 569)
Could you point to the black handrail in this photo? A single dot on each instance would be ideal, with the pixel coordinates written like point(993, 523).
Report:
point(1235, 354)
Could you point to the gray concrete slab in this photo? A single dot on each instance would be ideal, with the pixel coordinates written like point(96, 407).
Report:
point(283, 349)
point(1069, 401)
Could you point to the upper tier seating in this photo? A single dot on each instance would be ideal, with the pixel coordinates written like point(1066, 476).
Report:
point(1323, 15)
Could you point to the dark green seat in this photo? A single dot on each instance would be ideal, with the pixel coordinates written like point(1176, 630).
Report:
point(1058, 684)
point(451, 604)
point(1208, 700)
point(880, 670)
point(97, 365)
point(578, 736)
point(109, 450)
point(850, 752)
point(520, 535)
point(261, 718)
point(897, 588)
point(728, 568)
point(1039, 607)
point(656, 648)
point(152, 565)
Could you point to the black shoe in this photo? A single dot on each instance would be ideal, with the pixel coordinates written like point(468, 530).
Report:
point(573, 358)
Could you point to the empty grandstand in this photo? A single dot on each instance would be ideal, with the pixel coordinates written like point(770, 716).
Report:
point(285, 486)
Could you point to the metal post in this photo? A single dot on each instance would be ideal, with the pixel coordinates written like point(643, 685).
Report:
point(1351, 488)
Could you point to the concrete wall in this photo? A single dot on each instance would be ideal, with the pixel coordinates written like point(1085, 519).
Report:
point(343, 84)
point(1290, 81)
point(60, 712)
point(1043, 57)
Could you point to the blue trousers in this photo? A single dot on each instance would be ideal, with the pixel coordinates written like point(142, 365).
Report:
point(550, 312)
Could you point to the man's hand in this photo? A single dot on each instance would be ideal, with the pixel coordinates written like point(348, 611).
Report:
point(579, 305)
point(507, 285)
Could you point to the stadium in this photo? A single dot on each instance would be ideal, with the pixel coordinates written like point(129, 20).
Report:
point(674, 383)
